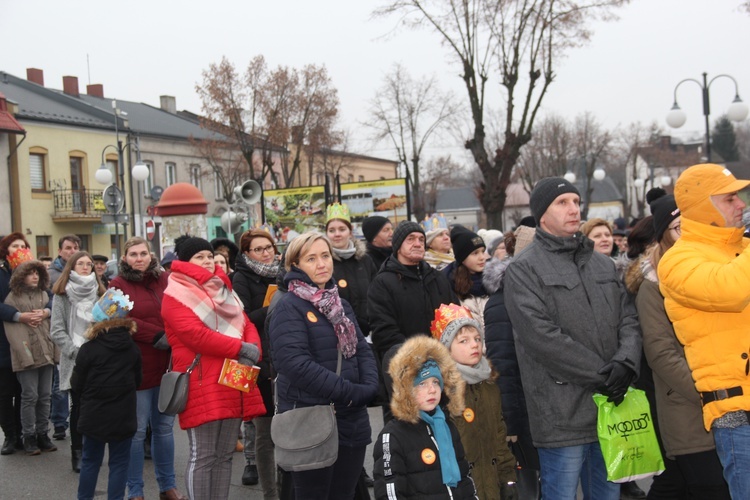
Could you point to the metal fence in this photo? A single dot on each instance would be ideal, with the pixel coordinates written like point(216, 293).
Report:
point(78, 202)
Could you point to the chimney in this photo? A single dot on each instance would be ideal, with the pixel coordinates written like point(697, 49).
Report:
point(70, 85)
point(168, 104)
point(35, 75)
point(95, 89)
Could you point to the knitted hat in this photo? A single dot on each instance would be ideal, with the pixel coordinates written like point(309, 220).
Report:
point(489, 235)
point(402, 231)
point(187, 246)
point(371, 226)
point(545, 192)
point(524, 236)
point(464, 242)
point(432, 234)
point(229, 245)
point(429, 369)
point(449, 319)
point(664, 210)
point(112, 305)
point(696, 185)
point(494, 244)
point(527, 221)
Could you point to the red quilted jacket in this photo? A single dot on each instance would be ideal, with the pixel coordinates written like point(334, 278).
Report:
point(207, 399)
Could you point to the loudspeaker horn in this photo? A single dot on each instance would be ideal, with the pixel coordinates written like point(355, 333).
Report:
point(249, 192)
point(231, 222)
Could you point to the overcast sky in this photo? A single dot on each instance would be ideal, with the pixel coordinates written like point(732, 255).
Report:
point(140, 50)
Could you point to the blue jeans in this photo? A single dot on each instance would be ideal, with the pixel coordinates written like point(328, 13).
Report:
point(60, 407)
point(561, 469)
point(733, 448)
point(162, 444)
point(93, 455)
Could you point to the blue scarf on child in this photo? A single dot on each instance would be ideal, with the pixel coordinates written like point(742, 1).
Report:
point(448, 462)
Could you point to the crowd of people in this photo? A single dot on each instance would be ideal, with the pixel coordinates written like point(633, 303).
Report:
point(482, 349)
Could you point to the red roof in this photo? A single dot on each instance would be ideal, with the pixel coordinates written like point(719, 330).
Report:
point(7, 122)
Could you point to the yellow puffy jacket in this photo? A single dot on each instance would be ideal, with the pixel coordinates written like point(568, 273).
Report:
point(705, 279)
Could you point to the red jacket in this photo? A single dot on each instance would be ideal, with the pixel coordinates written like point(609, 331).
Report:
point(147, 295)
point(207, 399)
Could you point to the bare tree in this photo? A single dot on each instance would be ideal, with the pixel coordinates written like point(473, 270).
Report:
point(742, 131)
point(409, 113)
point(439, 173)
point(547, 154)
point(524, 40)
point(592, 145)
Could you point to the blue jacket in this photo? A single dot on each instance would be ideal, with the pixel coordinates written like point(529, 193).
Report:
point(305, 355)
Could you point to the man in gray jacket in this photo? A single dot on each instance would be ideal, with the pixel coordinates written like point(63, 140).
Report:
point(576, 333)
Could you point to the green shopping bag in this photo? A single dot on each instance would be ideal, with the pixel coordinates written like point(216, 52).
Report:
point(627, 438)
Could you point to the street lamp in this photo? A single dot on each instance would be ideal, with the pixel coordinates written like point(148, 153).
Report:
point(737, 110)
point(599, 174)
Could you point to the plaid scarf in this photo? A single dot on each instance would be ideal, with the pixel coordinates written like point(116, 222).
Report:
point(215, 305)
point(328, 302)
point(261, 269)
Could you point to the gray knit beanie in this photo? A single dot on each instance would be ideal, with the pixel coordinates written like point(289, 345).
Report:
point(402, 231)
point(450, 331)
point(545, 192)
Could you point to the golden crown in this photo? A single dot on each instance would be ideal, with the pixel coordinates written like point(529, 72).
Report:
point(434, 221)
point(338, 211)
point(446, 314)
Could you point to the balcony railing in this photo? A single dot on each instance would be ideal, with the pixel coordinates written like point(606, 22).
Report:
point(78, 202)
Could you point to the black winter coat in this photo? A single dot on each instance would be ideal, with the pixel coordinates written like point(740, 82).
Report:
point(6, 314)
point(402, 302)
point(353, 277)
point(106, 375)
point(378, 255)
point(305, 354)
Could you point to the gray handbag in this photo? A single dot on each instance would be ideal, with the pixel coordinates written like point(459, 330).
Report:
point(306, 438)
point(173, 391)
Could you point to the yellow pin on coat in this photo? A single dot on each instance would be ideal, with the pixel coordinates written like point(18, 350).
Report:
point(428, 456)
point(311, 317)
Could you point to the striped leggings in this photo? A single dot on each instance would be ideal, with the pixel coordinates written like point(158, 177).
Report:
point(209, 468)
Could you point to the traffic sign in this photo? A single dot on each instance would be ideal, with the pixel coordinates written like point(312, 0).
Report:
point(150, 230)
point(115, 219)
point(113, 199)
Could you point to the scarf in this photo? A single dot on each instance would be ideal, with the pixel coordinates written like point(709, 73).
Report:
point(82, 292)
point(261, 269)
point(328, 302)
point(346, 253)
point(475, 374)
point(477, 287)
point(215, 305)
point(444, 442)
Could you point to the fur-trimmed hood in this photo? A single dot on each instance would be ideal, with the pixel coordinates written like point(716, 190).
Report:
point(129, 274)
point(360, 249)
point(640, 269)
point(102, 326)
point(17, 285)
point(494, 273)
point(404, 367)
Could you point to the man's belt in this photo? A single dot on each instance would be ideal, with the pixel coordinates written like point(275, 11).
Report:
point(709, 397)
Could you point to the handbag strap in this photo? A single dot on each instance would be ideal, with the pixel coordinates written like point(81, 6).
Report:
point(190, 368)
point(276, 395)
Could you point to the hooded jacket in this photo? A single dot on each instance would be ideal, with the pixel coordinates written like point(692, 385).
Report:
point(704, 279)
point(107, 373)
point(571, 316)
point(353, 277)
point(404, 467)
point(305, 355)
point(146, 290)
point(678, 405)
point(30, 347)
point(402, 302)
point(208, 400)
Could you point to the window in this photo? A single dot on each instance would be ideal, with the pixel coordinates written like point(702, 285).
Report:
point(42, 246)
point(350, 178)
point(37, 171)
point(318, 179)
point(171, 174)
point(218, 187)
point(149, 182)
point(85, 242)
point(112, 167)
point(195, 175)
point(361, 178)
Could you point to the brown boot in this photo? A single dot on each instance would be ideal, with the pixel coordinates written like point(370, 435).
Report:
point(172, 494)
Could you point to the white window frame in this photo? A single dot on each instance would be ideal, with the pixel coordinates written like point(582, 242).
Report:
point(170, 172)
point(149, 182)
point(218, 187)
point(36, 171)
point(195, 176)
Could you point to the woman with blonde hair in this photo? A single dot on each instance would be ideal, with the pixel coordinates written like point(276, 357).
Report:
point(600, 232)
point(75, 293)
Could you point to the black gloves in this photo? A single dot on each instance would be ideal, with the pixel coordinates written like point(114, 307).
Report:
point(249, 354)
point(619, 378)
point(160, 341)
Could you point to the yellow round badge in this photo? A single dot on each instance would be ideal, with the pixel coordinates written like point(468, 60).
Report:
point(428, 456)
point(311, 317)
point(342, 283)
point(469, 415)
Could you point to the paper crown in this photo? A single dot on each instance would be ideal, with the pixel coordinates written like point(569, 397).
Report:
point(446, 314)
point(112, 305)
point(19, 257)
point(338, 211)
point(434, 221)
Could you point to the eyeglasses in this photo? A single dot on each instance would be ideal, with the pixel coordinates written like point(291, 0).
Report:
point(676, 229)
point(262, 250)
point(84, 264)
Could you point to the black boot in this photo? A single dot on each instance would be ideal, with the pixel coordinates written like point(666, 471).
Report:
point(75, 458)
point(30, 446)
point(45, 443)
point(250, 475)
point(9, 445)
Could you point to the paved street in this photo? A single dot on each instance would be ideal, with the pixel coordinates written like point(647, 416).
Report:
point(50, 475)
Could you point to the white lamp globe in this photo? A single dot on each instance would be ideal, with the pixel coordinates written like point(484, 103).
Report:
point(103, 175)
point(599, 174)
point(141, 171)
point(666, 180)
point(570, 177)
point(639, 183)
point(738, 110)
point(676, 118)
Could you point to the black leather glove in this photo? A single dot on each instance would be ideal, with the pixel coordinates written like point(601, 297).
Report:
point(619, 378)
point(249, 354)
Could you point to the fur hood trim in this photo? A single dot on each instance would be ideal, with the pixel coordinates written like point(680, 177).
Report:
point(494, 272)
point(19, 275)
point(130, 274)
point(359, 250)
point(637, 271)
point(404, 367)
point(98, 328)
